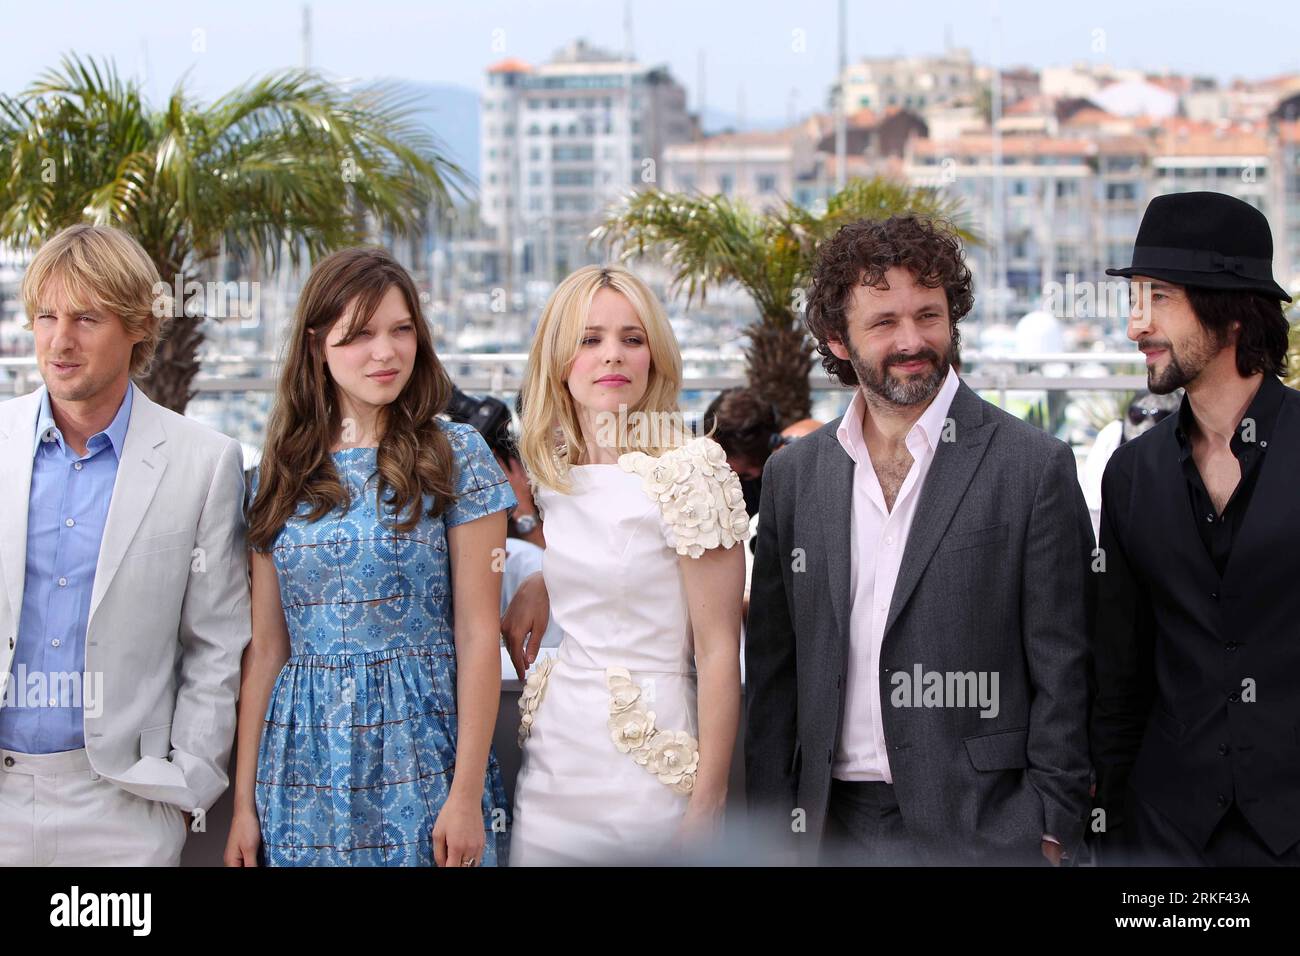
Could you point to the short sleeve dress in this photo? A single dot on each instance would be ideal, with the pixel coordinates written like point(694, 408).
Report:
point(609, 725)
point(359, 742)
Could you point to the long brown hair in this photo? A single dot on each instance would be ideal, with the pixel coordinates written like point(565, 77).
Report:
point(414, 456)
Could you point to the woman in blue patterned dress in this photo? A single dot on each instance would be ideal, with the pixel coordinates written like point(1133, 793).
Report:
point(367, 703)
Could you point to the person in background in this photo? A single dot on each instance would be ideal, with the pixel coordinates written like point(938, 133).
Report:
point(1144, 412)
point(524, 539)
point(748, 427)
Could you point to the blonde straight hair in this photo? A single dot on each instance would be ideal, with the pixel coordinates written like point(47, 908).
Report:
point(99, 267)
point(551, 434)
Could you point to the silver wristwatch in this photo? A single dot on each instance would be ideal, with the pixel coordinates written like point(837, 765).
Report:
point(526, 524)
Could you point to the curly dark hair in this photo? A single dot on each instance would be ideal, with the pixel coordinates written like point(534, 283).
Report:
point(1262, 343)
point(861, 253)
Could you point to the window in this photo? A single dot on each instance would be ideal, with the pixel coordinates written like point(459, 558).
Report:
point(573, 153)
point(766, 183)
point(725, 184)
point(572, 203)
point(1121, 192)
point(574, 177)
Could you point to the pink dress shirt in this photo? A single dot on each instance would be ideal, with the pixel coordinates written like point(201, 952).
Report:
point(876, 542)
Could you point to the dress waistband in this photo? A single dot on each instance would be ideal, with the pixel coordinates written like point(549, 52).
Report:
point(363, 658)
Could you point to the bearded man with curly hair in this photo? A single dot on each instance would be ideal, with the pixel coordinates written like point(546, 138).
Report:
point(916, 639)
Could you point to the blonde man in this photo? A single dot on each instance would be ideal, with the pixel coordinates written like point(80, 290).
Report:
point(123, 584)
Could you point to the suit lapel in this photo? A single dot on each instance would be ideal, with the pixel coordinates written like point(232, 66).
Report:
point(138, 475)
point(950, 474)
point(835, 502)
point(17, 445)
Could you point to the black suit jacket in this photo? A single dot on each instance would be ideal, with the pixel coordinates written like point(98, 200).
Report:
point(1177, 650)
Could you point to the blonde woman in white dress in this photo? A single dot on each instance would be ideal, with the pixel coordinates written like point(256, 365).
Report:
point(627, 732)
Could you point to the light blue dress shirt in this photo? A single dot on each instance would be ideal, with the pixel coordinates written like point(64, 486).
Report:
point(66, 510)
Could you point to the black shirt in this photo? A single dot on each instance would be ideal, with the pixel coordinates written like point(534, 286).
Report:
point(1249, 444)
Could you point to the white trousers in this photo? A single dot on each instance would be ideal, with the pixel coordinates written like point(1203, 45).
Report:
point(56, 811)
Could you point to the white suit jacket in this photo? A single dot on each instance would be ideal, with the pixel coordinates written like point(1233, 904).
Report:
point(169, 612)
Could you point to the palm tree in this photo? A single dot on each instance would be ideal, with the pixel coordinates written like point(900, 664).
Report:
point(286, 166)
point(708, 240)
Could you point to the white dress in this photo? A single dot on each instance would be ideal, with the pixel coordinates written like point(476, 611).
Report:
point(608, 726)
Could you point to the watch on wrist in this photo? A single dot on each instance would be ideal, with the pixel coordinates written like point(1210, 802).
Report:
point(526, 524)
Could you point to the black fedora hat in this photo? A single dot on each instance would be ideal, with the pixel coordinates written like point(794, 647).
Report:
point(1210, 240)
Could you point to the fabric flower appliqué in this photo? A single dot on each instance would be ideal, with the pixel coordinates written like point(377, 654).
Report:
point(531, 696)
point(671, 755)
point(699, 495)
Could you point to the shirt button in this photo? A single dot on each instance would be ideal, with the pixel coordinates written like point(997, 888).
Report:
point(69, 522)
point(1209, 517)
point(1214, 595)
point(1234, 696)
point(63, 582)
point(1222, 800)
point(889, 541)
point(1230, 646)
point(76, 466)
point(1223, 750)
point(9, 761)
point(53, 702)
point(55, 643)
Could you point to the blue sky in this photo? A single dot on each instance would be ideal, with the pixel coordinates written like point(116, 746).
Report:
point(748, 45)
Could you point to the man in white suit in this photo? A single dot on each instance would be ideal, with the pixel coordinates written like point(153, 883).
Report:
point(123, 583)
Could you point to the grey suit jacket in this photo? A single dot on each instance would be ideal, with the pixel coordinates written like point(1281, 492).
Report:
point(169, 613)
point(994, 578)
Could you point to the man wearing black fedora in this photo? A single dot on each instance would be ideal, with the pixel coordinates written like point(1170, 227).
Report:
point(1195, 722)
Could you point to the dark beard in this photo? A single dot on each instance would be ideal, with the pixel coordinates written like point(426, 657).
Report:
point(901, 392)
point(1179, 372)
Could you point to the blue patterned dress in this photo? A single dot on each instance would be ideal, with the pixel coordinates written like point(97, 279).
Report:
point(359, 742)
